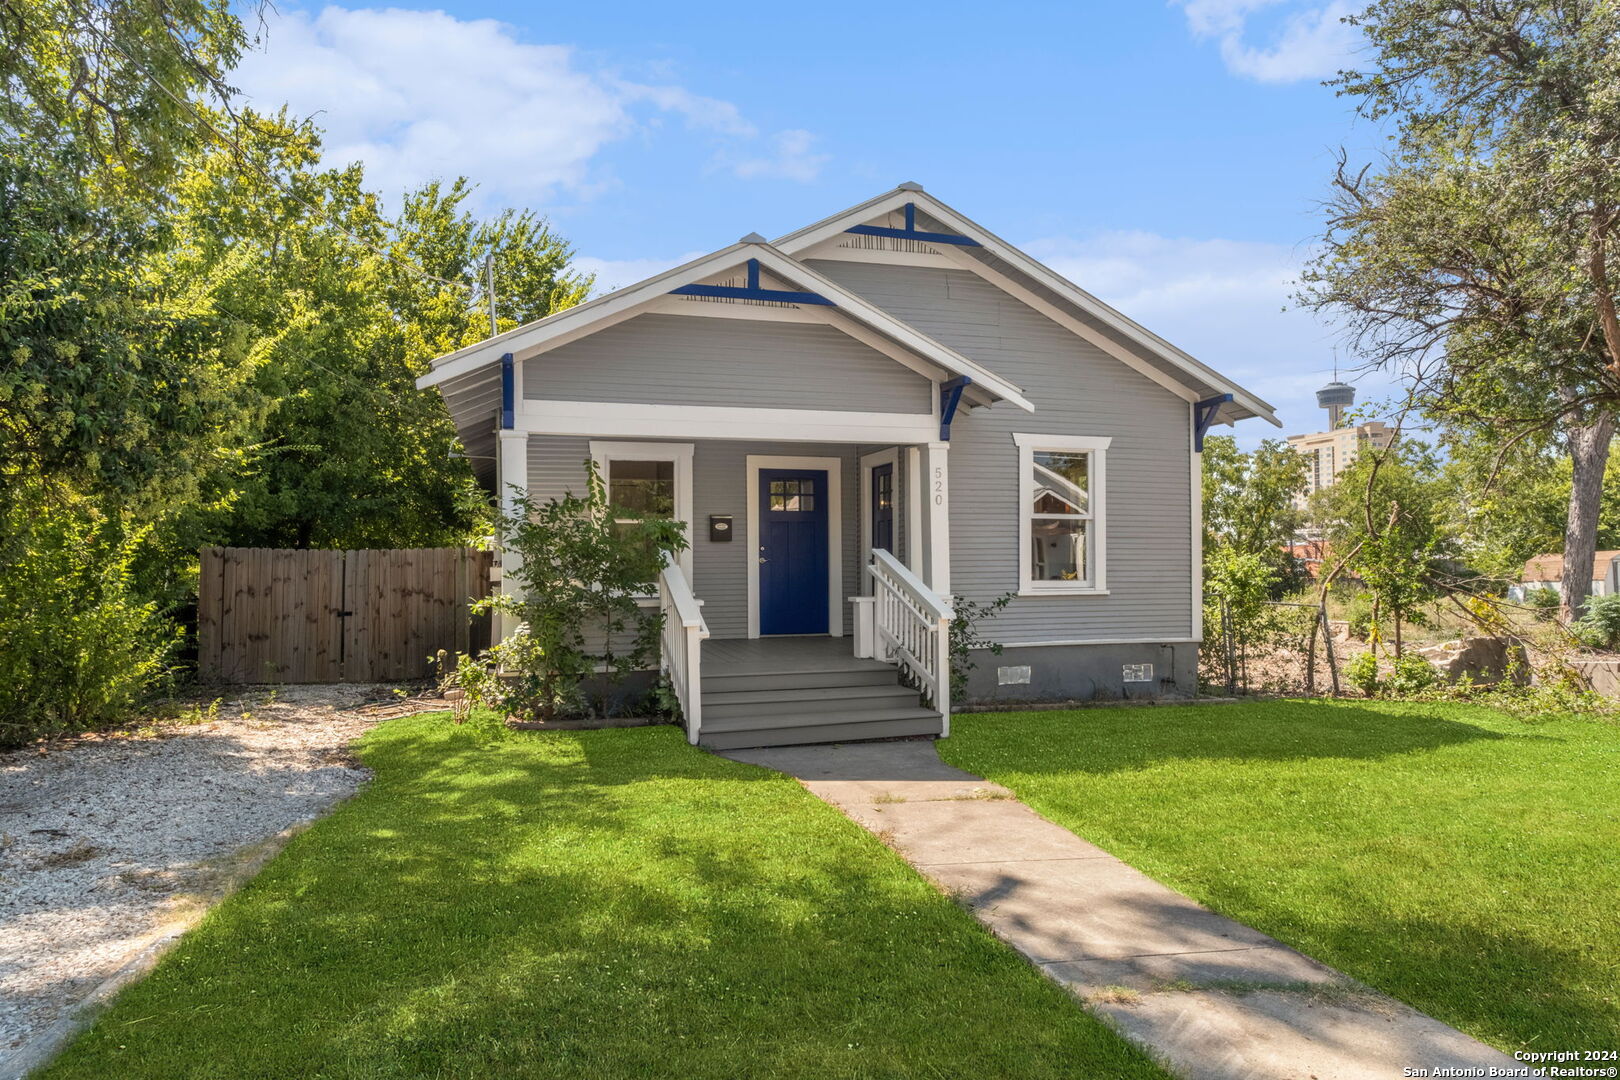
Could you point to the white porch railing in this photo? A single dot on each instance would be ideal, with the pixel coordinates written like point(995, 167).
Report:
point(682, 644)
point(912, 626)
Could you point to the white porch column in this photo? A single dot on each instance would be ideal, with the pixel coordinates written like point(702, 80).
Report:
point(914, 511)
point(936, 513)
point(512, 474)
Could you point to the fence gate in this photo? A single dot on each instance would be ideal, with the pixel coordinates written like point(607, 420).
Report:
point(293, 616)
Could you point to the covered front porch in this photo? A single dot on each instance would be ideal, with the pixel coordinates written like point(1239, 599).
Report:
point(793, 616)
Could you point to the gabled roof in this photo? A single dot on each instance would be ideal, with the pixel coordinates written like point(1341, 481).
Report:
point(584, 318)
point(997, 259)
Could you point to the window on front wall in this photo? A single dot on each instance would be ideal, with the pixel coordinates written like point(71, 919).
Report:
point(648, 480)
point(1060, 527)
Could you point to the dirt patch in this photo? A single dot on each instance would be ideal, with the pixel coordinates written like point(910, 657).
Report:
point(107, 841)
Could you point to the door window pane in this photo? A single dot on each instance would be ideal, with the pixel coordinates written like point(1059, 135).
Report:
point(1057, 549)
point(1061, 483)
point(643, 487)
point(793, 495)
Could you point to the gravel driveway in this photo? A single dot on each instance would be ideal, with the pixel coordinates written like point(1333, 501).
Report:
point(107, 843)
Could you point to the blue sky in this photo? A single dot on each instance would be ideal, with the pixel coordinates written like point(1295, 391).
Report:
point(1168, 157)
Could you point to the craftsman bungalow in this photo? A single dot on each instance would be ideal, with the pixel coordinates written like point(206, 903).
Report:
point(858, 423)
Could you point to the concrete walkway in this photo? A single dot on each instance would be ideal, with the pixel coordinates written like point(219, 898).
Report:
point(1211, 998)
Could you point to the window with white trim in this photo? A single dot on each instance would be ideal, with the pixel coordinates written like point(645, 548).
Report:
point(1061, 514)
point(649, 480)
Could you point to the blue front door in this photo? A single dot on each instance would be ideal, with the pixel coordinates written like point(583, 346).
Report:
point(793, 551)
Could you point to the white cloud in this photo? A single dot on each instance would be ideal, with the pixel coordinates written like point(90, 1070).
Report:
point(614, 274)
point(1309, 42)
point(1227, 302)
point(793, 159)
point(422, 94)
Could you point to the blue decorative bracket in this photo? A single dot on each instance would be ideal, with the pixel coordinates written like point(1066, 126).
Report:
point(950, 396)
point(753, 291)
point(508, 391)
point(1204, 415)
point(910, 232)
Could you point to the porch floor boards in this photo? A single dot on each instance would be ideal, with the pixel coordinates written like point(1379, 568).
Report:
point(773, 655)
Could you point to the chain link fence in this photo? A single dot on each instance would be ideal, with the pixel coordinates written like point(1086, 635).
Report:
point(1281, 648)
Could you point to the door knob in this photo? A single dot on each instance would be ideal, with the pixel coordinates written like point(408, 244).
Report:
point(763, 559)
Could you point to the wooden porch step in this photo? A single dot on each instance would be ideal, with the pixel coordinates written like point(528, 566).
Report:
point(869, 673)
point(721, 704)
point(825, 727)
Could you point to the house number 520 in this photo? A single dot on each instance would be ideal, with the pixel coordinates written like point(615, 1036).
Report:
point(939, 486)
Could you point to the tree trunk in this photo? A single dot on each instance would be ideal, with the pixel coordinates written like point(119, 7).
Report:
point(1589, 455)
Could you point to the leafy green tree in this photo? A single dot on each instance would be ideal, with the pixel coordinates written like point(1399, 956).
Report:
point(1477, 257)
point(1511, 506)
point(1249, 502)
point(335, 308)
point(79, 644)
point(100, 387)
point(118, 82)
point(1383, 515)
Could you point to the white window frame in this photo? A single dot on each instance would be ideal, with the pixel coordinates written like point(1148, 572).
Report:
point(1096, 447)
point(604, 452)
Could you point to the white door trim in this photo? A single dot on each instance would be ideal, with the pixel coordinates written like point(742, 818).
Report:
point(890, 457)
point(835, 533)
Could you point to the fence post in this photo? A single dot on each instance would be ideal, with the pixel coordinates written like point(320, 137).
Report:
point(1310, 658)
point(1226, 647)
point(1327, 642)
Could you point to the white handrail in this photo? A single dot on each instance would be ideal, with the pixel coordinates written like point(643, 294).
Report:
point(913, 625)
point(681, 644)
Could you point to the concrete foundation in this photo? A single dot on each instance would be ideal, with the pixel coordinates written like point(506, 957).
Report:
point(1138, 671)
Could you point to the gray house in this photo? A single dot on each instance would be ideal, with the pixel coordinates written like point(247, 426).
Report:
point(859, 423)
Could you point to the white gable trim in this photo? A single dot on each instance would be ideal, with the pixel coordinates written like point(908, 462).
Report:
point(811, 236)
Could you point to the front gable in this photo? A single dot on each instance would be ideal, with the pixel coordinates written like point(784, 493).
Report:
point(908, 228)
point(669, 357)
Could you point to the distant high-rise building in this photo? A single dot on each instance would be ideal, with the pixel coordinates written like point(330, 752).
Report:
point(1328, 453)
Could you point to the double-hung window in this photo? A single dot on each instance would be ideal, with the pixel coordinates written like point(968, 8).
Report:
point(648, 480)
point(1061, 514)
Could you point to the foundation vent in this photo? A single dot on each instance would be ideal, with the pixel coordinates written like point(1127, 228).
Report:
point(1012, 676)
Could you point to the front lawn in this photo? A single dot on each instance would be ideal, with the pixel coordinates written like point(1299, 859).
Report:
point(601, 904)
point(1463, 861)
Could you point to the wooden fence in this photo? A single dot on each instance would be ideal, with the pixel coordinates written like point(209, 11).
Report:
point(291, 616)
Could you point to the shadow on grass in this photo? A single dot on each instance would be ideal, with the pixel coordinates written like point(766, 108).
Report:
point(1115, 740)
point(1483, 976)
point(601, 904)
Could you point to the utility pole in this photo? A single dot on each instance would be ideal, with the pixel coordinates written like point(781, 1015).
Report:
point(489, 291)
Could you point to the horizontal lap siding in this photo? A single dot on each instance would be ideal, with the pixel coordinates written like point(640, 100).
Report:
point(719, 486)
point(692, 360)
point(1077, 390)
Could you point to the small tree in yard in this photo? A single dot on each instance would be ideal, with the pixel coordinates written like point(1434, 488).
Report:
point(1382, 513)
point(582, 570)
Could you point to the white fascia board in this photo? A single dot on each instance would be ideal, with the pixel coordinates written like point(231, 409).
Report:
point(812, 235)
point(592, 313)
point(598, 419)
point(886, 324)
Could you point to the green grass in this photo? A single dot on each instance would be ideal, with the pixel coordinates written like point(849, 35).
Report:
point(1465, 862)
point(596, 904)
